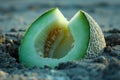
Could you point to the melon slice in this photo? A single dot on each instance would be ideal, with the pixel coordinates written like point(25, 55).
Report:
point(51, 39)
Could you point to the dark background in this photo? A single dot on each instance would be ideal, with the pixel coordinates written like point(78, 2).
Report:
point(19, 14)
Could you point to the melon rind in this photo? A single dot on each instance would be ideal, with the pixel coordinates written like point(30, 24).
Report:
point(97, 40)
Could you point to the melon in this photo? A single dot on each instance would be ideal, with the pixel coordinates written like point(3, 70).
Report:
point(52, 39)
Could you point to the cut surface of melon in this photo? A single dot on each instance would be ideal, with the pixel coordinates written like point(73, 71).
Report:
point(51, 39)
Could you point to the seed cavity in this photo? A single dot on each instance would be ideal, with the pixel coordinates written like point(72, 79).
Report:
point(54, 43)
point(52, 36)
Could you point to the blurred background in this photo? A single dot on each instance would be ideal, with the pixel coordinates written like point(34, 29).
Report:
point(18, 14)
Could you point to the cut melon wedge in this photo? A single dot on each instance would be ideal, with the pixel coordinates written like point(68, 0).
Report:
point(51, 39)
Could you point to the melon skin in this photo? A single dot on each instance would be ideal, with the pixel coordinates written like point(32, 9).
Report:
point(97, 41)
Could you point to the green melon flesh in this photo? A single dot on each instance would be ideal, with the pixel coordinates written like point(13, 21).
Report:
point(71, 43)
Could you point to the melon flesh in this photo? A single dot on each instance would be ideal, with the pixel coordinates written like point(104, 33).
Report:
point(38, 49)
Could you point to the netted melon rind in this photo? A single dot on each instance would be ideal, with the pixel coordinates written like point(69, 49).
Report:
point(97, 41)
